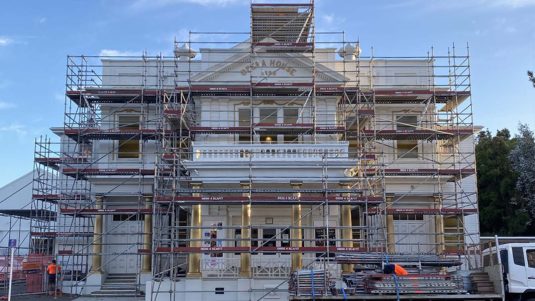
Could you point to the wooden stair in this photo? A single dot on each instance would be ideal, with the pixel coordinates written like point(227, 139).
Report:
point(481, 283)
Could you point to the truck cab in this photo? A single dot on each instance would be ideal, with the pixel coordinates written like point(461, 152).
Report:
point(517, 267)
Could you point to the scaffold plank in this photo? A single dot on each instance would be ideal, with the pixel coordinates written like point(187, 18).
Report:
point(271, 200)
point(93, 211)
point(417, 134)
point(90, 133)
point(331, 249)
point(424, 211)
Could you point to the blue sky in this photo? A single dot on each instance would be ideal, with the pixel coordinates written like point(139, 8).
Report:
point(36, 36)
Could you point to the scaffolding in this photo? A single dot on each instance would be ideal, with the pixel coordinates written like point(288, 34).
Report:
point(266, 155)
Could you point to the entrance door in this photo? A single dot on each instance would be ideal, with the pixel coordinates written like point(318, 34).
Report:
point(123, 243)
point(410, 234)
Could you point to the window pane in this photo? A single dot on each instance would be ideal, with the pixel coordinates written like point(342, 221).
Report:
point(285, 239)
point(290, 115)
point(268, 139)
point(129, 122)
point(128, 149)
point(269, 238)
point(407, 149)
point(404, 123)
point(244, 138)
point(244, 117)
point(530, 254)
point(518, 256)
point(291, 139)
point(268, 115)
point(453, 234)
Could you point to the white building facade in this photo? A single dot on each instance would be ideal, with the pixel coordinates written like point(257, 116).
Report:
point(216, 173)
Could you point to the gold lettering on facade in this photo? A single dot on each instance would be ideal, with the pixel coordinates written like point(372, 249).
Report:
point(273, 63)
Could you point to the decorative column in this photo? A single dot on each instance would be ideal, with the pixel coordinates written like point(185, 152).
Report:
point(296, 233)
point(147, 237)
point(245, 257)
point(390, 232)
point(439, 224)
point(97, 237)
point(347, 224)
point(194, 259)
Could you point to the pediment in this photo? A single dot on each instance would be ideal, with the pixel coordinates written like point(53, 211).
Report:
point(264, 66)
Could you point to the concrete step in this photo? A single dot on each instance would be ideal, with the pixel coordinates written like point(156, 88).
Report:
point(121, 277)
point(116, 293)
point(112, 286)
point(120, 281)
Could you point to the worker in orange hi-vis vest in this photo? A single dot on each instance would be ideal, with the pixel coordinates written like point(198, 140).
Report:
point(399, 270)
point(395, 269)
point(53, 270)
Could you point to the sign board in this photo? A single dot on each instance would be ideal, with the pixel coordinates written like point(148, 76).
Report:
point(12, 243)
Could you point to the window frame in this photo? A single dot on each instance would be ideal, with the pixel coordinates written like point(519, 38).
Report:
point(412, 151)
point(120, 155)
point(530, 258)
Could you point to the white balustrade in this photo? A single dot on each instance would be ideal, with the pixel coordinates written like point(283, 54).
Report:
point(220, 267)
point(208, 152)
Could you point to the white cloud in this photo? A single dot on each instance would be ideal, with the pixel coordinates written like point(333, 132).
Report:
point(113, 52)
point(42, 20)
point(4, 41)
point(510, 3)
point(14, 128)
point(434, 5)
point(328, 18)
point(143, 4)
point(6, 105)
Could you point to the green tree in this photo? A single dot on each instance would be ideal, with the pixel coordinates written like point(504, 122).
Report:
point(523, 162)
point(531, 78)
point(500, 211)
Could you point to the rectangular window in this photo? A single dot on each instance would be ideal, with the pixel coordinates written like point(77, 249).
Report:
point(244, 117)
point(128, 217)
point(407, 149)
point(518, 256)
point(530, 255)
point(237, 239)
point(291, 139)
point(285, 239)
point(128, 148)
point(408, 217)
point(291, 115)
point(321, 240)
point(254, 239)
point(453, 234)
point(268, 115)
point(406, 123)
point(268, 139)
point(244, 120)
point(269, 239)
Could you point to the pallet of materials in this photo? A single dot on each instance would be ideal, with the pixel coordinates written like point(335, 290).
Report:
point(431, 260)
point(316, 282)
point(414, 284)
